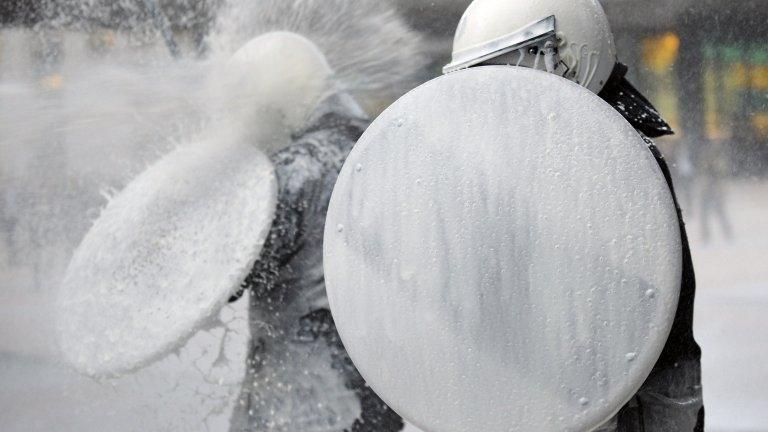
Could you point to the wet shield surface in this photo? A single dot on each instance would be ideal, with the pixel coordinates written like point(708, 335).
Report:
point(165, 255)
point(502, 253)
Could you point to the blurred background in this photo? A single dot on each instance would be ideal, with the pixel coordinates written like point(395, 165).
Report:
point(93, 90)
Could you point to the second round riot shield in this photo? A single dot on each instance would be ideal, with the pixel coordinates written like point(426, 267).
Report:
point(165, 255)
point(502, 252)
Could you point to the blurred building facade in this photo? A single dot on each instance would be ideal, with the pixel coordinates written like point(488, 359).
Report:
point(704, 63)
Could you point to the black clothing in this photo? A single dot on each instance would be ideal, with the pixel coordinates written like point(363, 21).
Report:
point(299, 377)
point(623, 96)
point(671, 397)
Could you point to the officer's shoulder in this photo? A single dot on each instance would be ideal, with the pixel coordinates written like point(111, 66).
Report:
point(297, 164)
point(308, 159)
point(327, 144)
point(305, 151)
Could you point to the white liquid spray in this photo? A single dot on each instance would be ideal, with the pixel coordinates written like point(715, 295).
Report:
point(80, 132)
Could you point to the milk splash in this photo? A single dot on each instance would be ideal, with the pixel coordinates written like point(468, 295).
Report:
point(372, 52)
point(105, 107)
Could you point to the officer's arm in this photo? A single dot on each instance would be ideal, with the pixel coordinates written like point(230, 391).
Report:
point(284, 239)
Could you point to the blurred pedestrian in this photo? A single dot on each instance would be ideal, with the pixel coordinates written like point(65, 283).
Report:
point(685, 177)
point(715, 169)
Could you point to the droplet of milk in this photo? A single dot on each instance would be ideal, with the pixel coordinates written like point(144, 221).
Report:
point(651, 293)
point(584, 401)
point(359, 167)
point(631, 356)
point(340, 228)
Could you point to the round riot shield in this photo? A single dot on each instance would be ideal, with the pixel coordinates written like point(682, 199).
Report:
point(164, 256)
point(502, 252)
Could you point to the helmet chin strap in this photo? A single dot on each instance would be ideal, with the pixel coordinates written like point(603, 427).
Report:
point(551, 58)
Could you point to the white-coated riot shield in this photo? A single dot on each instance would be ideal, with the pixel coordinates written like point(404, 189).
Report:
point(165, 255)
point(502, 252)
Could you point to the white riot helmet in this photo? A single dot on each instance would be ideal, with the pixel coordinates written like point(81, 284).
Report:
point(271, 86)
point(571, 38)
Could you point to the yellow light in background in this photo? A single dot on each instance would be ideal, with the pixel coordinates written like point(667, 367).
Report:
point(51, 82)
point(760, 123)
point(737, 76)
point(660, 52)
point(758, 76)
point(102, 40)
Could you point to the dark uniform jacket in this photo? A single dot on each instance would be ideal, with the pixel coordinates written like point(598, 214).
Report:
point(299, 377)
point(671, 397)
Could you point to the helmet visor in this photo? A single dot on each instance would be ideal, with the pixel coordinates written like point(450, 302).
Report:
point(530, 46)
